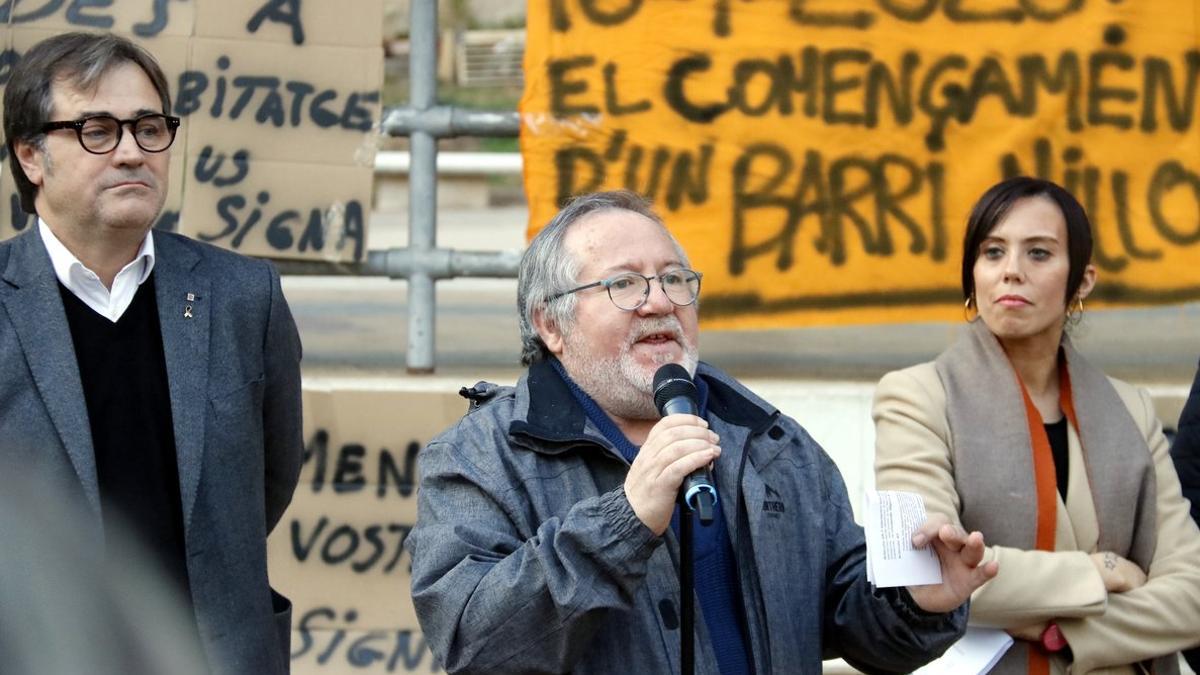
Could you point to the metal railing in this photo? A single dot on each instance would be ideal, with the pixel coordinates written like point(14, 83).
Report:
point(397, 162)
point(422, 263)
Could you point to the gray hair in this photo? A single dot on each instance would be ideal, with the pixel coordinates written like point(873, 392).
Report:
point(547, 268)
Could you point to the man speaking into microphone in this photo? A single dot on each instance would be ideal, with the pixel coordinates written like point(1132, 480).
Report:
point(546, 536)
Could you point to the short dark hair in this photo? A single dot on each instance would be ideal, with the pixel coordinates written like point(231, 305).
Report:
point(79, 59)
point(996, 203)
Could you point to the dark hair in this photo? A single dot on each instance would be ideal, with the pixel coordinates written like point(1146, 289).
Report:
point(547, 268)
point(79, 59)
point(996, 203)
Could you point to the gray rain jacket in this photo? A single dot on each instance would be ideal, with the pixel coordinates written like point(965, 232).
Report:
point(527, 557)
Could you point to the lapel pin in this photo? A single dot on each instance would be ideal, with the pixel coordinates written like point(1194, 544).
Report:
point(187, 309)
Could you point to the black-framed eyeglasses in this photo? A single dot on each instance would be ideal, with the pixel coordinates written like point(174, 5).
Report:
point(101, 134)
point(630, 290)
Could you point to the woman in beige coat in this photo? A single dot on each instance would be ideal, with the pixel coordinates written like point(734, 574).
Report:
point(1065, 471)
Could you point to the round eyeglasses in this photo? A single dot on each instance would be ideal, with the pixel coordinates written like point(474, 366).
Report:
point(101, 134)
point(630, 290)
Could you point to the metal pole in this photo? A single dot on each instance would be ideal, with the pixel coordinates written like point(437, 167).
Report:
point(422, 205)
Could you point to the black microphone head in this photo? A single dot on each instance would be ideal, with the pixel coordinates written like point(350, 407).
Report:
point(670, 382)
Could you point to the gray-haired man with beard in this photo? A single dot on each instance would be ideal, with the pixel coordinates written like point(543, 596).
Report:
point(546, 527)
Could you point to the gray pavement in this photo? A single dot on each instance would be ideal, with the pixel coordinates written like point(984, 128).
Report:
point(357, 326)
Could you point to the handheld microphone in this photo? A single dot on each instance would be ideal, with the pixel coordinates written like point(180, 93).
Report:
point(675, 393)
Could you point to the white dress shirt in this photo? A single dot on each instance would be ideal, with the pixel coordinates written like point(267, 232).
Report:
point(86, 285)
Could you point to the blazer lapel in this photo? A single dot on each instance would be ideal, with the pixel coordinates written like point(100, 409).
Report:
point(40, 322)
point(183, 300)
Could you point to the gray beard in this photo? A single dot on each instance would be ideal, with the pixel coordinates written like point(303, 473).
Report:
point(618, 384)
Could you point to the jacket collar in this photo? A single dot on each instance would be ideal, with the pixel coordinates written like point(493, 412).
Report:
point(184, 296)
point(732, 402)
point(555, 420)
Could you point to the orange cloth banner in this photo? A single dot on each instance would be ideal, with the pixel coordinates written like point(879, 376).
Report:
point(818, 158)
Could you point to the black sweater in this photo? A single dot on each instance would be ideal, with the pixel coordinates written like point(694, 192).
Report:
point(124, 376)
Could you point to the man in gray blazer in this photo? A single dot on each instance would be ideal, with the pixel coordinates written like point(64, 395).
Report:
point(153, 380)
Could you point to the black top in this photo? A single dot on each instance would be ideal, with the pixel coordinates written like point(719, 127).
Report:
point(124, 377)
point(1057, 433)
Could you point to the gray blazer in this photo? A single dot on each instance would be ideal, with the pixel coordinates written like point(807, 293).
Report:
point(233, 368)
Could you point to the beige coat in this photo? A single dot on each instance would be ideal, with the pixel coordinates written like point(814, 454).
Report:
point(1106, 631)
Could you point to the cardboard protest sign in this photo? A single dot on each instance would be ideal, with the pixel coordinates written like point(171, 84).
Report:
point(280, 107)
point(338, 553)
point(818, 158)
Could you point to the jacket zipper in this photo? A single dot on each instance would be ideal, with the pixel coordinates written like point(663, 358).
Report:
point(737, 535)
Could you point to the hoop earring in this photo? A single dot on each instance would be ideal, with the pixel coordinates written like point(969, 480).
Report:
point(1075, 313)
point(968, 305)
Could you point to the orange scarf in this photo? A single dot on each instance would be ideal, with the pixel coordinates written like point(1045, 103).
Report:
point(1046, 477)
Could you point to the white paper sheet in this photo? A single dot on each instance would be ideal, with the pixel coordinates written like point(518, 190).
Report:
point(891, 519)
point(975, 654)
